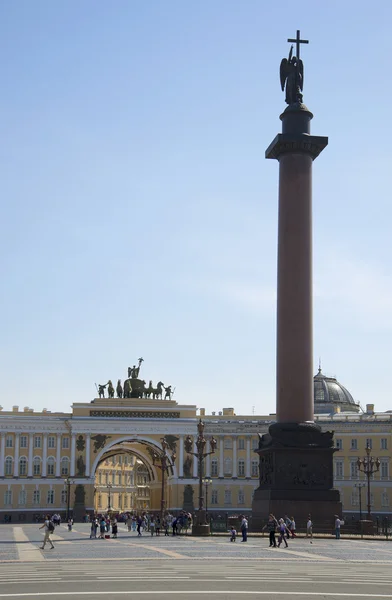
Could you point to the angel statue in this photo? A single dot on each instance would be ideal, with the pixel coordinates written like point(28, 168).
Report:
point(292, 74)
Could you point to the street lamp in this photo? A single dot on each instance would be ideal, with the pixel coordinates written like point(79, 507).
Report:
point(369, 466)
point(68, 482)
point(359, 487)
point(207, 481)
point(163, 462)
point(109, 487)
point(201, 527)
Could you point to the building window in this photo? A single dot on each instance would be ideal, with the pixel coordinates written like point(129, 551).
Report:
point(99, 500)
point(214, 467)
point(384, 498)
point(241, 468)
point(228, 444)
point(369, 443)
point(100, 478)
point(255, 468)
point(37, 441)
point(354, 444)
point(214, 497)
point(7, 498)
point(241, 443)
point(119, 479)
point(353, 470)
point(36, 497)
point(355, 498)
point(22, 498)
point(23, 441)
point(106, 478)
point(339, 444)
point(113, 478)
point(22, 466)
point(384, 469)
point(227, 496)
point(120, 460)
point(64, 466)
point(36, 466)
point(255, 443)
point(125, 501)
point(50, 466)
point(9, 441)
point(227, 465)
point(384, 444)
point(8, 465)
point(50, 497)
point(63, 496)
point(65, 443)
point(51, 442)
point(113, 461)
point(339, 469)
point(241, 497)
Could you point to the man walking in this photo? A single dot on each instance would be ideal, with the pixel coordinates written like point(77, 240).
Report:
point(337, 527)
point(49, 528)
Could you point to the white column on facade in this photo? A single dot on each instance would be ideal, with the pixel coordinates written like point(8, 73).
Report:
point(58, 456)
point(181, 459)
point(88, 456)
point(16, 455)
point(194, 460)
point(234, 475)
point(221, 457)
point(73, 452)
point(247, 468)
point(45, 455)
point(2, 454)
point(208, 466)
point(30, 463)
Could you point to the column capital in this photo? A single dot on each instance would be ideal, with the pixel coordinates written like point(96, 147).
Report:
point(288, 143)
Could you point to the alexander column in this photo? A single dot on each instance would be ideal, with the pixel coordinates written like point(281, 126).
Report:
point(296, 470)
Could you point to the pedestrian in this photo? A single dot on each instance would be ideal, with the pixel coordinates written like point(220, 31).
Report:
point(282, 533)
point(152, 525)
point(174, 525)
point(233, 534)
point(244, 529)
point(287, 521)
point(129, 522)
point(139, 525)
point(49, 529)
point(158, 526)
point(271, 526)
point(309, 527)
point(114, 527)
point(102, 528)
point(293, 528)
point(338, 523)
point(94, 527)
point(166, 525)
point(70, 523)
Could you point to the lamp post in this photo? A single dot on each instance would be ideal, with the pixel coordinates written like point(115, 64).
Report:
point(359, 487)
point(68, 482)
point(201, 527)
point(163, 462)
point(109, 487)
point(369, 466)
point(207, 481)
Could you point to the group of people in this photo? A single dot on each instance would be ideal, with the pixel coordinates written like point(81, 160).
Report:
point(284, 527)
point(103, 524)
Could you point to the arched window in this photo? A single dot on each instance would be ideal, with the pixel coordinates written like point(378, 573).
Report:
point(50, 470)
point(241, 468)
point(64, 465)
point(36, 497)
point(22, 498)
point(241, 496)
point(22, 466)
point(8, 465)
point(214, 467)
point(227, 464)
point(37, 465)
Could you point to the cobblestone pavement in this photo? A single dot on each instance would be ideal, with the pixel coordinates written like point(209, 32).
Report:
point(184, 566)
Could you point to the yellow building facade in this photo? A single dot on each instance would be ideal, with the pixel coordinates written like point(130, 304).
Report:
point(39, 450)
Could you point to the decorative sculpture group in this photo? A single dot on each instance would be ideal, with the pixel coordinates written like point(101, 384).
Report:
point(136, 388)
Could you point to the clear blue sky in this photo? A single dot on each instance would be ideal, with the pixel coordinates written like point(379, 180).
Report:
point(139, 216)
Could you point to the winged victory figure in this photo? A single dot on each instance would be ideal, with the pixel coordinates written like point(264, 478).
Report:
point(292, 75)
